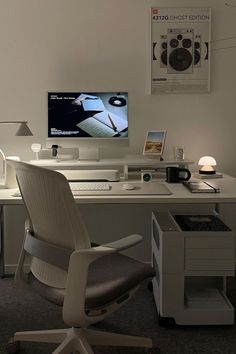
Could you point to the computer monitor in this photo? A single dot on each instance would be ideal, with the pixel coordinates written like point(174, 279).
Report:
point(88, 115)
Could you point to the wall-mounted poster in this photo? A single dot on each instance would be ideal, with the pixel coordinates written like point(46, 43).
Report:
point(180, 44)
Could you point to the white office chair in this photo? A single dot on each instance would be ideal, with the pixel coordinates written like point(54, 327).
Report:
point(88, 282)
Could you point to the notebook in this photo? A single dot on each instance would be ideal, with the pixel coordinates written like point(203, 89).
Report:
point(201, 187)
point(202, 176)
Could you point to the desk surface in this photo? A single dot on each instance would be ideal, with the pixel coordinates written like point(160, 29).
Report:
point(180, 195)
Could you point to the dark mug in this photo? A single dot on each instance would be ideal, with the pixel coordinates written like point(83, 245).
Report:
point(175, 174)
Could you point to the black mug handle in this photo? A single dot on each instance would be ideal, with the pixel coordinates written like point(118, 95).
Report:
point(188, 174)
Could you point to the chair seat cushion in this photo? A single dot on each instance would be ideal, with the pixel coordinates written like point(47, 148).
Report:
point(109, 278)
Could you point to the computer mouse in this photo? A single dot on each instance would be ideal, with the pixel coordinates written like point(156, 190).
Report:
point(128, 186)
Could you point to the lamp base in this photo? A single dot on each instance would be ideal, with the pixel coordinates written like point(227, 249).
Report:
point(204, 176)
point(207, 172)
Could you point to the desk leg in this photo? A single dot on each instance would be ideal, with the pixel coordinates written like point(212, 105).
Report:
point(2, 261)
point(217, 208)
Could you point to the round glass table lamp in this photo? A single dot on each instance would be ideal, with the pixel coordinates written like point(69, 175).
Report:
point(36, 148)
point(207, 165)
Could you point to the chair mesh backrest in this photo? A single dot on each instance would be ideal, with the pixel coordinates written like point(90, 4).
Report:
point(53, 215)
point(50, 206)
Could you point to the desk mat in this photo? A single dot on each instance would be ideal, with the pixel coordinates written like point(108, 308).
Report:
point(141, 188)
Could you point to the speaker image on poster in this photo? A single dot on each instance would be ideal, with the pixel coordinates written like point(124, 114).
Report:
point(180, 50)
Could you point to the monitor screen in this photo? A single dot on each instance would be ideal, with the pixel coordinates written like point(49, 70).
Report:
point(88, 114)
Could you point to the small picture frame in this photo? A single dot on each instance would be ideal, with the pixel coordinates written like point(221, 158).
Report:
point(154, 143)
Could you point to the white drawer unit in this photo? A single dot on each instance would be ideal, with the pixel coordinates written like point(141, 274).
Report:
point(192, 255)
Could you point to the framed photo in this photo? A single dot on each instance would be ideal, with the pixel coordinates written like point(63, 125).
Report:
point(154, 143)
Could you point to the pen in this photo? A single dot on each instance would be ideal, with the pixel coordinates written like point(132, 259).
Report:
point(112, 123)
point(216, 189)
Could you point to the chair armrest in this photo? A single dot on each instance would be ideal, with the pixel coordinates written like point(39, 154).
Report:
point(125, 242)
point(80, 260)
point(111, 247)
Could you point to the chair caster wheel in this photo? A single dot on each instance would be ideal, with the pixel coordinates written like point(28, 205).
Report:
point(153, 351)
point(165, 321)
point(12, 346)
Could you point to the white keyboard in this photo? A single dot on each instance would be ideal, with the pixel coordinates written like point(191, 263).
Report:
point(87, 186)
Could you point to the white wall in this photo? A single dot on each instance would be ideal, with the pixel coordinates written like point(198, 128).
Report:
point(104, 45)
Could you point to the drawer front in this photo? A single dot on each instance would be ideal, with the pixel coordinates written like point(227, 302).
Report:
point(209, 254)
point(209, 242)
point(209, 264)
point(206, 253)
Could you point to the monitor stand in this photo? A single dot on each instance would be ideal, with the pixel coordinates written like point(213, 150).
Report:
point(89, 153)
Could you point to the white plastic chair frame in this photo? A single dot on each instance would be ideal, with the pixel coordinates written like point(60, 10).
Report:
point(78, 337)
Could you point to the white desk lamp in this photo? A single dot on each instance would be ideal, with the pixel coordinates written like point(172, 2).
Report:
point(23, 130)
point(207, 165)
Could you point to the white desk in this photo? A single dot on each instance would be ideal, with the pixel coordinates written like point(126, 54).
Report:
point(180, 195)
